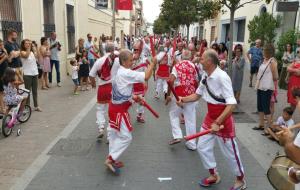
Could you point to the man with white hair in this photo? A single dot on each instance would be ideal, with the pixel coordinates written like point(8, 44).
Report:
point(105, 68)
point(120, 128)
point(141, 63)
point(216, 89)
point(184, 79)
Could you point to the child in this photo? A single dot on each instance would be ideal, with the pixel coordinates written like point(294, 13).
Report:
point(285, 120)
point(120, 128)
point(84, 70)
point(75, 79)
point(11, 96)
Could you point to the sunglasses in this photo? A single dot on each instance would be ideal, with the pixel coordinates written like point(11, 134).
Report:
point(135, 49)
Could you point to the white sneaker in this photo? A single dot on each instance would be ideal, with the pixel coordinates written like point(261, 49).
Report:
point(59, 84)
point(101, 133)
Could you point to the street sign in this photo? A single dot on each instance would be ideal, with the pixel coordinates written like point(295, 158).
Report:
point(101, 4)
point(288, 6)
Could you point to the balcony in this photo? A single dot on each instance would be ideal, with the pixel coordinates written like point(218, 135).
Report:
point(49, 28)
point(6, 25)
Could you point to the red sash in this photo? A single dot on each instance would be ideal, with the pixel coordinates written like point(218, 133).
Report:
point(117, 112)
point(104, 93)
point(163, 71)
point(214, 111)
point(104, 72)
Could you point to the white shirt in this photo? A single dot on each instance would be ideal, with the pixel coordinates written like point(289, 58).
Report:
point(266, 77)
point(98, 65)
point(122, 84)
point(89, 46)
point(75, 72)
point(29, 65)
point(220, 85)
point(280, 121)
point(178, 55)
point(54, 51)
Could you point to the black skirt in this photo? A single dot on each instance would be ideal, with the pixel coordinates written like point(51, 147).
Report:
point(84, 70)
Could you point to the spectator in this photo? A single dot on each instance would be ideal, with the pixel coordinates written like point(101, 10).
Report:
point(96, 47)
point(101, 50)
point(89, 47)
point(297, 50)
point(55, 48)
point(287, 59)
point(129, 42)
point(13, 51)
point(255, 57)
point(3, 66)
point(84, 70)
point(216, 48)
point(223, 52)
point(75, 79)
point(291, 145)
point(38, 65)
point(79, 49)
point(238, 65)
point(30, 69)
point(266, 76)
point(294, 80)
point(44, 61)
point(117, 44)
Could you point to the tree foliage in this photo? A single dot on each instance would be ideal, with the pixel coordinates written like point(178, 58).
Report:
point(263, 27)
point(290, 37)
point(160, 26)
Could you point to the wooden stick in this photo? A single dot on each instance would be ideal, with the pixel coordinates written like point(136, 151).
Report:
point(190, 137)
point(173, 90)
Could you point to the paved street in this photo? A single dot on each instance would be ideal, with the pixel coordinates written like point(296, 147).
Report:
point(58, 149)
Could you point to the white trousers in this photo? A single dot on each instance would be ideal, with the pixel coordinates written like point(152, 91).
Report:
point(229, 149)
point(139, 108)
point(189, 112)
point(101, 112)
point(161, 84)
point(118, 140)
point(297, 186)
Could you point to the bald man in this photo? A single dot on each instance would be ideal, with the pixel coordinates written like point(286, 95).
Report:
point(184, 79)
point(141, 62)
point(120, 128)
point(104, 68)
point(216, 89)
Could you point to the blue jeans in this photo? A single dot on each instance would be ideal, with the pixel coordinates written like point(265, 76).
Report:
point(56, 64)
point(92, 61)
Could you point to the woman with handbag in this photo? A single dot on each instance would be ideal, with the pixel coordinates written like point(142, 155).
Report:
point(294, 81)
point(267, 75)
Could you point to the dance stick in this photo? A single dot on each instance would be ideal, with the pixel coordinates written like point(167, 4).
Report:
point(190, 137)
point(95, 54)
point(152, 46)
point(144, 103)
point(173, 90)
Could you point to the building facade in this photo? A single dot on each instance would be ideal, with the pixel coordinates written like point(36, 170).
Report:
point(219, 26)
point(70, 19)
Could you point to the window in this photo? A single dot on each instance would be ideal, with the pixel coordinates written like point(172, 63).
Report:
point(49, 26)
point(70, 29)
point(212, 33)
point(241, 30)
point(10, 17)
point(201, 32)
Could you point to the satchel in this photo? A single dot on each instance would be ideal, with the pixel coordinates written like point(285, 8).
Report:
point(258, 80)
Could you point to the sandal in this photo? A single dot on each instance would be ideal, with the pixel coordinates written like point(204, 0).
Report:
point(258, 128)
point(241, 187)
point(265, 134)
point(174, 141)
point(38, 109)
point(112, 167)
point(209, 182)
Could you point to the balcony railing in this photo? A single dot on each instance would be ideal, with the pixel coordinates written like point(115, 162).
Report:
point(49, 27)
point(16, 25)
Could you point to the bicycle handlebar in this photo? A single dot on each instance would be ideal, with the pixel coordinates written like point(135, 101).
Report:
point(23, 90)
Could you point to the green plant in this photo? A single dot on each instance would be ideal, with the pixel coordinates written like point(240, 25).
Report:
point(263, 27)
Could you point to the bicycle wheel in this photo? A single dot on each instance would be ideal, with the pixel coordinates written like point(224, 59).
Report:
point(6, 131)
point(26, 113)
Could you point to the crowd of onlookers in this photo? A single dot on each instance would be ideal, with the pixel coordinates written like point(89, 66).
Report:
point(29, 64)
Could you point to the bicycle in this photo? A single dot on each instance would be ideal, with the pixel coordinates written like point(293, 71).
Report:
point(15, 114)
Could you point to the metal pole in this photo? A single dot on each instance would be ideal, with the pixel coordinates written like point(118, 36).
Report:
point(113, 20)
